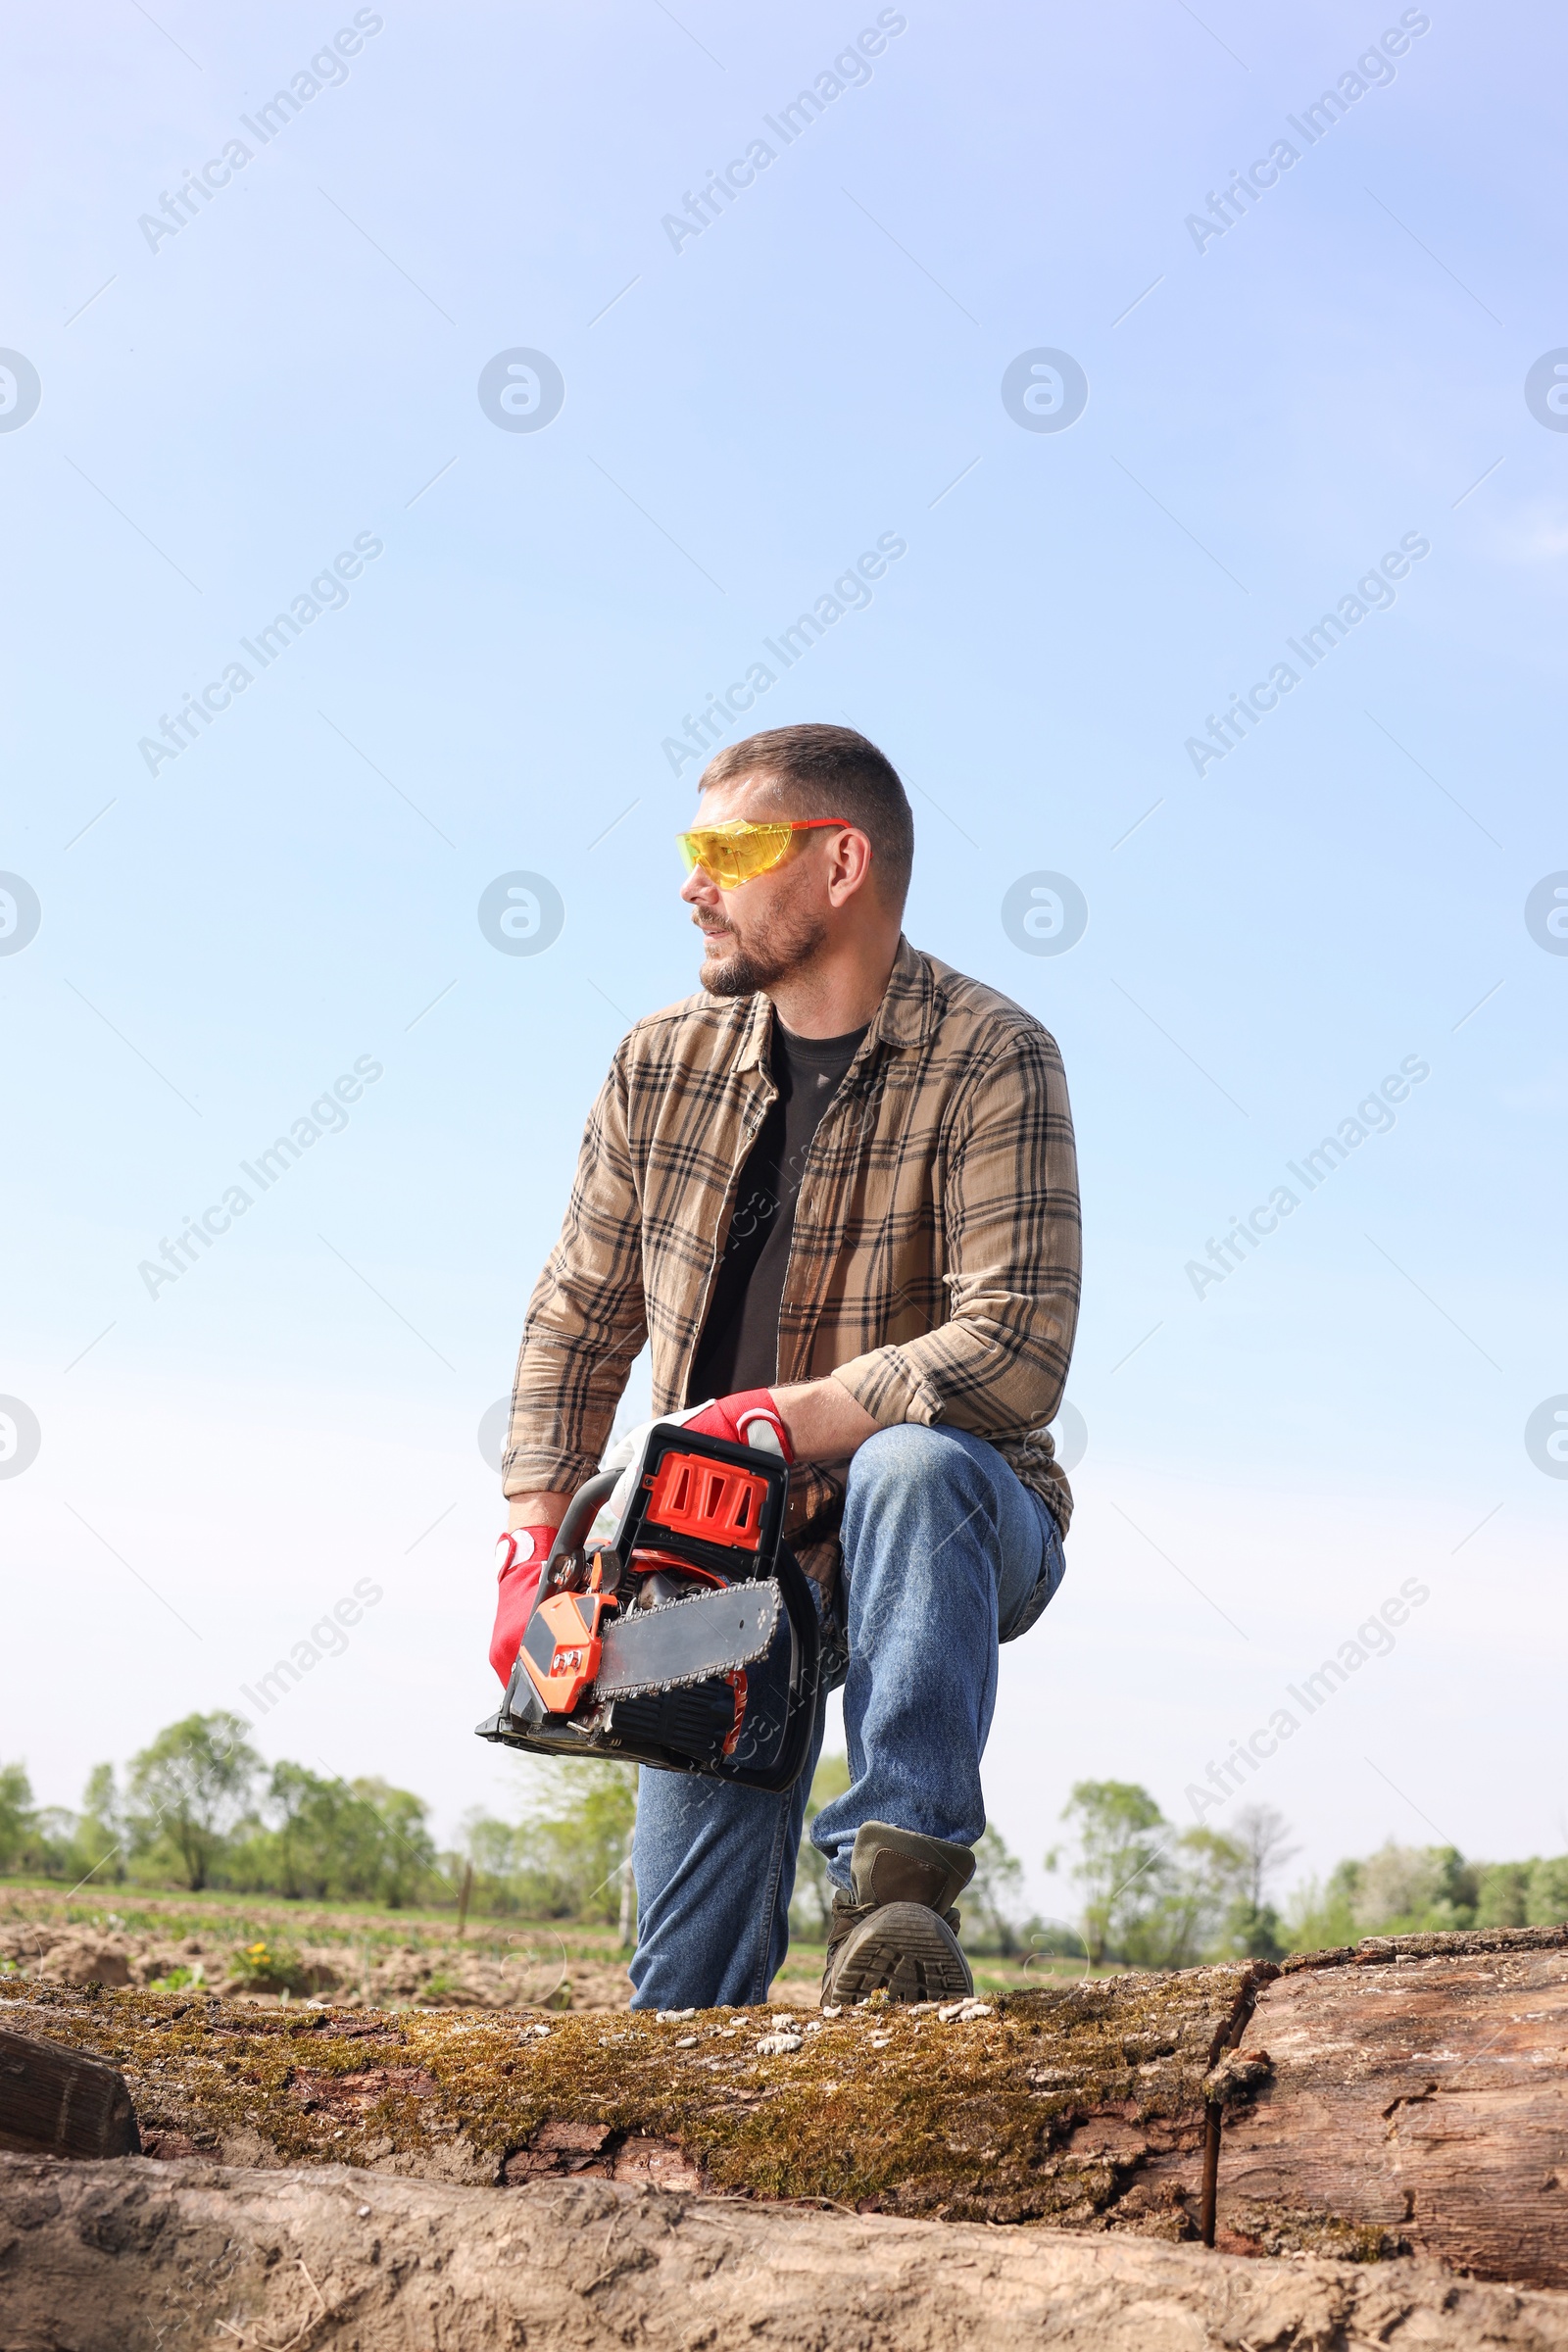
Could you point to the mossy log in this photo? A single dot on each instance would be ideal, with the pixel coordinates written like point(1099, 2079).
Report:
point(1081, 2103)
point(1403, 2098)
point(143, 2257)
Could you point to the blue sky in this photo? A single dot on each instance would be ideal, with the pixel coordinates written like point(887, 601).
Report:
point(226, 409)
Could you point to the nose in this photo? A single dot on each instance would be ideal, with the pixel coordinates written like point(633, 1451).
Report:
point(699, 888)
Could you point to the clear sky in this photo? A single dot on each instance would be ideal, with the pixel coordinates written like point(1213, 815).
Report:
point(1136, 428)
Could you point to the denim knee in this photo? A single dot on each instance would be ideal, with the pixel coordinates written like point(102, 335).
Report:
point(897, 1460)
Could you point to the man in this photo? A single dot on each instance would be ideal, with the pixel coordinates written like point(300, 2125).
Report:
point(837, 1193)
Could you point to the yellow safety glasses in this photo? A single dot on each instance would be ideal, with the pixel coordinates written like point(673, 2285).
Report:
point(736, 852)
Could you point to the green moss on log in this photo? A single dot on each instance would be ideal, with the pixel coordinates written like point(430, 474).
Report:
point(1080, 2105)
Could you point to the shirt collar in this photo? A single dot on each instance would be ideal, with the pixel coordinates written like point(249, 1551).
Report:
point(903, 1018)
point(908, 1011)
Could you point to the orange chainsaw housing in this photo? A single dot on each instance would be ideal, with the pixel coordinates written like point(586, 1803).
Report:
point(716, 1501)
point(561, 1646)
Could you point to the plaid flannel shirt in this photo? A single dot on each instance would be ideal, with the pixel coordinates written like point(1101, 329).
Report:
point(934, 1267)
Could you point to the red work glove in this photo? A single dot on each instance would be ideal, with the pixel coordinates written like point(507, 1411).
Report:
point(519, 1559)
point(748, 1418)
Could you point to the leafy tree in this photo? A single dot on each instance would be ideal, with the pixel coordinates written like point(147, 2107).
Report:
point(306, 1846)
point(1124, 1866)
point(1460, 1888)
point(811, 1908)
point(992, 1900)
point(1320, 1916)
point(577, 1837)
point(322, 1838)
point(189, 1788)
point(491, 1847)
point(1404, 1890)
point(396, 1858)
point(51, 1849)
point(570, 1855)
point(1410, 1889)
point(16, 1814)
point(1256, 1932)
point(102, 1835)
point(1201, 1894)
point(1399, 1891)
point(1253, 1929)
point(1547, 1899)
point(1159, 1898)
point(307, 1811)
point(37, 1840)
point(1503, 1894)
point(1397, 1883)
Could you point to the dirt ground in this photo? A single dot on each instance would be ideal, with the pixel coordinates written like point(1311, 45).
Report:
point(275, 1951)
point(245, 1947)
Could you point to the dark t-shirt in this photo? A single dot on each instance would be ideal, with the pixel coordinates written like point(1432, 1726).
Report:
point(738, 1345)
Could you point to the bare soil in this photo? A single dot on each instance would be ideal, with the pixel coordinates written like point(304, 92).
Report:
point(355, 1958)
point(359, 1957)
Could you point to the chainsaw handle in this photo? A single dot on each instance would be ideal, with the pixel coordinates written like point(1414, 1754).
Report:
point(581, 1512)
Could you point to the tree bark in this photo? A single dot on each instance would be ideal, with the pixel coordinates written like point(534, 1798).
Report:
point(57, 2101)
point(143, 2257)
point(1407, 2097)
point(1415, 2101)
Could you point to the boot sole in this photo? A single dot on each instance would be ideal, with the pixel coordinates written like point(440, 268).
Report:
point(903, 1949)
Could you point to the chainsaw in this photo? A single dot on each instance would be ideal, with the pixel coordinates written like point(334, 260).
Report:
point(688, 1640)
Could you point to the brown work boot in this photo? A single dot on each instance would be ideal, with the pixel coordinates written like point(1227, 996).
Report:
point(895, 1932)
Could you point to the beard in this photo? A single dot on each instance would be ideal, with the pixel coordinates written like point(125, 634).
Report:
point(772, 950)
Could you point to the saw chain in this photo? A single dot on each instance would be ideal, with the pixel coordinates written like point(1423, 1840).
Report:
point(680, 1643)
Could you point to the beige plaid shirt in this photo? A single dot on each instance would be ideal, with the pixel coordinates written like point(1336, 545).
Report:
point(934, 1267)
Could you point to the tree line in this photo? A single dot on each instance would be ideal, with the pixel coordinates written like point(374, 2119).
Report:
point(199, 1808)
point(1153, 1895)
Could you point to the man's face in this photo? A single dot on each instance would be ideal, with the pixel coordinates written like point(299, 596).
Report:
point(759, 933)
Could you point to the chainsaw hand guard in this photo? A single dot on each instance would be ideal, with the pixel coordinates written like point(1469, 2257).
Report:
point(694, 1682)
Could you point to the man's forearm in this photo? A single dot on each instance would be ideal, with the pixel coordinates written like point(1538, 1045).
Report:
point(824, 1425)
point(824, 1422)
point(536, 1510)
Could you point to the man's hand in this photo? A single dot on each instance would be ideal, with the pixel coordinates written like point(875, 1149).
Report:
point(750, 1417)
point(520, 1556)
point(822, 1420)
point(812, 1421)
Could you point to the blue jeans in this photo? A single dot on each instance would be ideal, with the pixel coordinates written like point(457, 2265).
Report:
point(945, 1554)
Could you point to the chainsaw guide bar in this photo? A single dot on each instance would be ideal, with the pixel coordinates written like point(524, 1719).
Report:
point(687, 1642)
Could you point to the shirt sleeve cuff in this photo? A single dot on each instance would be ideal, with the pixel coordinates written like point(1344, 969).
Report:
point(534, 1471)
point(885, 1384)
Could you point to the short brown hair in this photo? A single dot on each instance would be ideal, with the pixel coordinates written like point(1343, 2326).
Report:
point(832, 771)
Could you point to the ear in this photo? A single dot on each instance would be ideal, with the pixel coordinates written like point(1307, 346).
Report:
point(849, 865)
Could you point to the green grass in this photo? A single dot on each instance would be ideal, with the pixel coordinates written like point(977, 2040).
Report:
point(258, 1940)
point(176, 1913)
